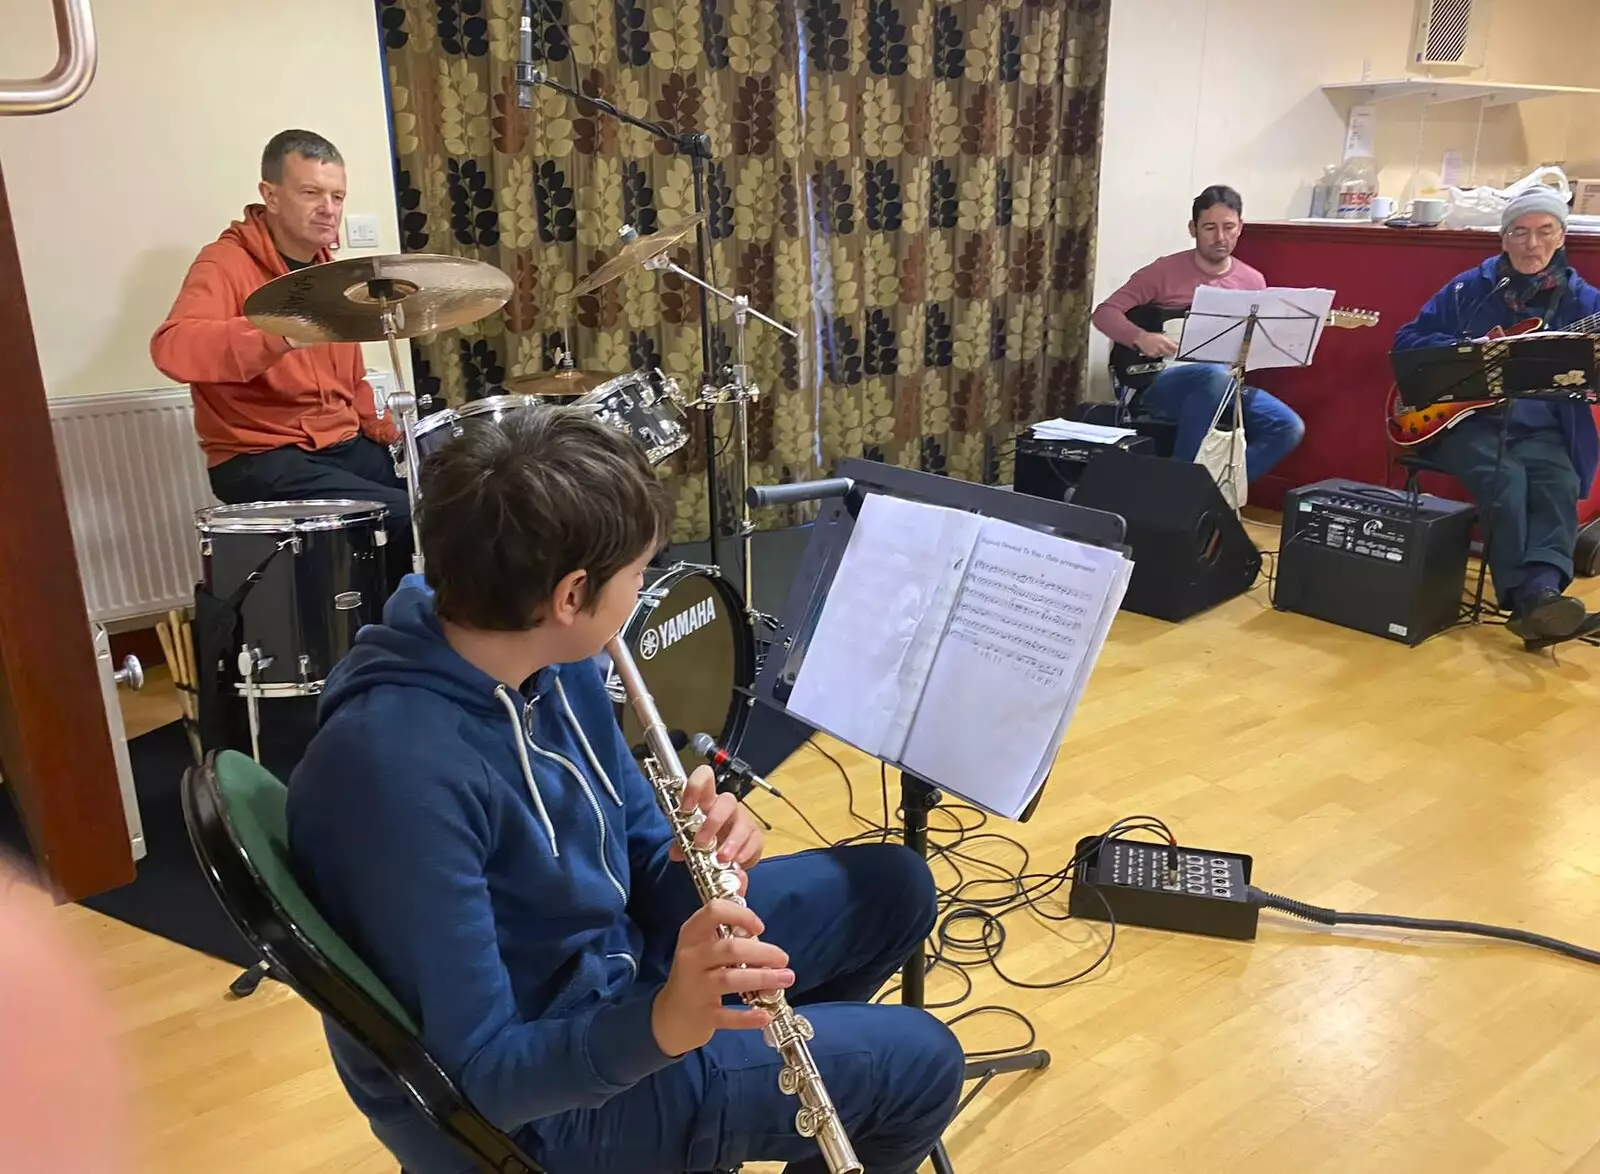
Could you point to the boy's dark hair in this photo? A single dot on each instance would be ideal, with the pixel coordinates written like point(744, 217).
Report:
point(1217, 193)
point(509, 509)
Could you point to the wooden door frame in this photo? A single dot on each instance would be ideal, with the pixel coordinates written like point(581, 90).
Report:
point(55, 739)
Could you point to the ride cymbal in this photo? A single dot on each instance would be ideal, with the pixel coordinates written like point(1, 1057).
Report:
point(344, 301)
point(635, 254)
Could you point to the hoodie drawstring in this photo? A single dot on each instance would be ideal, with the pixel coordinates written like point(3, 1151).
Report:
point(515, 714)
point(583, 740)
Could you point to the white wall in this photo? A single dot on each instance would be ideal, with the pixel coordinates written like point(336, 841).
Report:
point(113, 197)
point(1228, 91)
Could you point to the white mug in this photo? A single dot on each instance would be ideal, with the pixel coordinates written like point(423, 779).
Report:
point(1427, 212)
point(1382, 207)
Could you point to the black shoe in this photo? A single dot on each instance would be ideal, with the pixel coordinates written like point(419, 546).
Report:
point(1588, 630)
point(1547, 615)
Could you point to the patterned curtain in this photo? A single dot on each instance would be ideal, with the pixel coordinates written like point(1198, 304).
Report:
point(909, 184)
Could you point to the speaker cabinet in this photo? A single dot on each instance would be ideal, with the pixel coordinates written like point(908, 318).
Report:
point(1190, 551)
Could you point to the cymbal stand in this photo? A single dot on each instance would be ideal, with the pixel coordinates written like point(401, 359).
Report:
point(404, 404)
point(740, 393)
point(696, 146)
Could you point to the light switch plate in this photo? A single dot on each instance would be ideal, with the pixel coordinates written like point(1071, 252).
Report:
point(361, 231)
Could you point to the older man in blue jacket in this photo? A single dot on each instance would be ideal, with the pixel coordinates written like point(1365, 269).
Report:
point(1551, 447)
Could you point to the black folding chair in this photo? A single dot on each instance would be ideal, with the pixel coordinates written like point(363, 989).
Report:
point(235, 812)
point(234, 809)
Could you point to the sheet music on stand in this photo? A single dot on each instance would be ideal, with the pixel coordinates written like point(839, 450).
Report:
point(1544, 364)
point(1288, 326)
point(957, 646)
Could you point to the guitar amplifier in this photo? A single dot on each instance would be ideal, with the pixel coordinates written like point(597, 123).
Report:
point(1374, 559)
point(1051, 468)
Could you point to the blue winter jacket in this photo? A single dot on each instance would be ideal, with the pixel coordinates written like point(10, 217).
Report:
point(477, 847)
point(1469, 307)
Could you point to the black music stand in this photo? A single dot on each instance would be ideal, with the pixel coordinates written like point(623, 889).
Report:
point(1527, 366)
point(842, 498)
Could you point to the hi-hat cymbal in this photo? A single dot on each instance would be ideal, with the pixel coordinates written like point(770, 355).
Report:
point(558, 383)
point(635, 253)
point(344, 301)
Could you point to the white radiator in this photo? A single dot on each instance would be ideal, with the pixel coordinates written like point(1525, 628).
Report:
point(134, 477)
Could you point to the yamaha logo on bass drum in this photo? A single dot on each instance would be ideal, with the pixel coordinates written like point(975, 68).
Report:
point(670, 631)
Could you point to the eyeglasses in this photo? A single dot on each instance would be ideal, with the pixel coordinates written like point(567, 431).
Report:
point(1545, 234)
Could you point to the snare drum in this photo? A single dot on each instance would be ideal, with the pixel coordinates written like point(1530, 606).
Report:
point(435, 430)
point(646, 407)
point(325, 576)
point(695, 650)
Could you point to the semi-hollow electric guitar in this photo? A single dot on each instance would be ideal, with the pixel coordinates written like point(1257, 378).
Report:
point(1409, 426)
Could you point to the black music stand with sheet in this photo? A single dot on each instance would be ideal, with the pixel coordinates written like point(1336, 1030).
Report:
point(842, 498)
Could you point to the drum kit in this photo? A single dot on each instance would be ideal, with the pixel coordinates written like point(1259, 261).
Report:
point(305, 576)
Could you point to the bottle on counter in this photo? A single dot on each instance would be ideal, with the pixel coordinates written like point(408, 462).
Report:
point(1356, 189)
point(1322, 197)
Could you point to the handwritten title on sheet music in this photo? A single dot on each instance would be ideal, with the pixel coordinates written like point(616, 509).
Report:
point(1028, 623)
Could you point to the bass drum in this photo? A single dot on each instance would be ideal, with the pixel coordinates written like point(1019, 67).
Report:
point(697, 655)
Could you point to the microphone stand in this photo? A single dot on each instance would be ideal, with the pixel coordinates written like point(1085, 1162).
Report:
point(697, 146)
point(739, 394)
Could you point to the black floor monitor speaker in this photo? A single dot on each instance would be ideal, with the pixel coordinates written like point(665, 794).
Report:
point(1189, 550)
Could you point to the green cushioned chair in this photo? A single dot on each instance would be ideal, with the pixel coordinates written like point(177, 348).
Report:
point(234, 809)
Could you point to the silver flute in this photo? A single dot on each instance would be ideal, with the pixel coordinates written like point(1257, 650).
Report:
point(787, 1032)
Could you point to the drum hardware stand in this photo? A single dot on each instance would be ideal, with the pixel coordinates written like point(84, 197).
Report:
point(250, 663)
point(741, 392)
point(697, 146)
point(405, 406)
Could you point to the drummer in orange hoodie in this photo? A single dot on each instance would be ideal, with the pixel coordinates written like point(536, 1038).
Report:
point(277, 420)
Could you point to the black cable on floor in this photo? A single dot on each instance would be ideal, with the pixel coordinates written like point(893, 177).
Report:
point(970, 931)
point(1432, 925)
point(970, 927)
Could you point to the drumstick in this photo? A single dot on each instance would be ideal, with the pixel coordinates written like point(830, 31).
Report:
point(173, 666)
point(189, 666)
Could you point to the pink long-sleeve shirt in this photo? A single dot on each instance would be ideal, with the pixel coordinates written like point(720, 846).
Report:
point(1169, 282)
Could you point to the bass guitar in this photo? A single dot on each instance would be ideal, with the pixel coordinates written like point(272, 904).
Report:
point(1409, 427)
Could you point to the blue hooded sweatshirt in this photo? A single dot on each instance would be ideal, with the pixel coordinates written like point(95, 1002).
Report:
point(1469, 306)
point(477, 846)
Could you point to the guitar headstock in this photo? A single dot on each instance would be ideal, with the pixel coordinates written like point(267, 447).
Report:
point(1352, 319)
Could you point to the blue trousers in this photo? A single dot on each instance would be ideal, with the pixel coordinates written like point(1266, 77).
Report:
point(1188, 395)
point(848, 918)
point(1534, 501)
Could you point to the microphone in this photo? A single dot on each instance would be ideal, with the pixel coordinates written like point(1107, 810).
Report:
point(735, 766)
point(1483, 301)
point(526, 77)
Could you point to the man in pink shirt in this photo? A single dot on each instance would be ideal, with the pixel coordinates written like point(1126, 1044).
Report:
point(1189, 394)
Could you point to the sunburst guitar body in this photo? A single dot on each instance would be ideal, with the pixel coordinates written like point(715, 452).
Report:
point(1409, 427)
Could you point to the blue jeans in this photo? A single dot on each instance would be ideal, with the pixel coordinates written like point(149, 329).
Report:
point(848, 918)
point(1534, 500)
point(1188, 394)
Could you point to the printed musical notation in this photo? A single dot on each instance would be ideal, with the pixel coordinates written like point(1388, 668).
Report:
point(958, 646)
point(1026, 628)
point(1024, 620)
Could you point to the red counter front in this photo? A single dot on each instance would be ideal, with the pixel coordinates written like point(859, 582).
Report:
point(1341, 396)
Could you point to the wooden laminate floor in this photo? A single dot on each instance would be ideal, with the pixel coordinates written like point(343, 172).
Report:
point(1453, 780)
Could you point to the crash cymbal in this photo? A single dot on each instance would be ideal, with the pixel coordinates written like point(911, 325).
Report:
point(343, 301)
point(635, 253)
point(558, 383)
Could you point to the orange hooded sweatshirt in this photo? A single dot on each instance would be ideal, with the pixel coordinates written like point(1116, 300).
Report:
point(252, 390)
